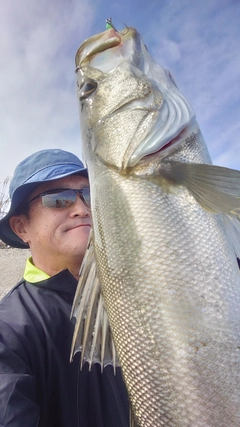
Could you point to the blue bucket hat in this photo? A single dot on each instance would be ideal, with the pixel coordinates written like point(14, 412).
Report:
point(40, 167)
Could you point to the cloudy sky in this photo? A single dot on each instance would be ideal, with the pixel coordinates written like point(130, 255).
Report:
point(198, 41)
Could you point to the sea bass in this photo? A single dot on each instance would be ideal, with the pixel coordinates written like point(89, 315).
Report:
point(161, 265)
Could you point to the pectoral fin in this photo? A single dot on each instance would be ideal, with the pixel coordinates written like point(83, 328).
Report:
point(92, 334)
point(216, 188)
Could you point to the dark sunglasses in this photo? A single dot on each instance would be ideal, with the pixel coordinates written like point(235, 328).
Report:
point(63, 197)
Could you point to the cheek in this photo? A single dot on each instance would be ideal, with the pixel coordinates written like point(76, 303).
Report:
point(47, 226)
point(43, 232)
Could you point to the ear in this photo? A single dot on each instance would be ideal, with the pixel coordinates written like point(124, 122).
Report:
point(18, 226)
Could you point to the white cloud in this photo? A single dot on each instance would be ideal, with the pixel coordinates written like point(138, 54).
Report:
point(197, 41)
point(38, 41)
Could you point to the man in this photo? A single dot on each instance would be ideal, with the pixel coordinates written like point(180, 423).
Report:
point(50, 214)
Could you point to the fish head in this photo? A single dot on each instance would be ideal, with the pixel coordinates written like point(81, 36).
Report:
point(130, 107)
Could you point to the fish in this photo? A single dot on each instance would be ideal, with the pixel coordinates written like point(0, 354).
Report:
point(159, 289)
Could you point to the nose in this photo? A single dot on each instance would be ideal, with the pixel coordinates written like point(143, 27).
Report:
point(79, 208)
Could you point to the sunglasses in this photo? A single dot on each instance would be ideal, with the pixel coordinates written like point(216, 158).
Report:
point(63, 197)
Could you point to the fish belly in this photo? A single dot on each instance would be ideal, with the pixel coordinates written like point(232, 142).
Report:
point(171, 288)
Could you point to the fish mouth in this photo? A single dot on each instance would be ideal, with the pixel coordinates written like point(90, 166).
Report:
point(95, 45)
point(99, 43)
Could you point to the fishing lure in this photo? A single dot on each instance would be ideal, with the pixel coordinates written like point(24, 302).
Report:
point(109, 24)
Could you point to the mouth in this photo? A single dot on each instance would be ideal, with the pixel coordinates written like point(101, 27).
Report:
point(96, 44)
point(101, 42)
point(79, 226)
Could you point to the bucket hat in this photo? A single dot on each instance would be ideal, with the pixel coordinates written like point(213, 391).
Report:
point(40, 167)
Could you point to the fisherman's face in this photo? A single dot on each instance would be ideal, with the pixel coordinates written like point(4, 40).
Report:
point(58, 235)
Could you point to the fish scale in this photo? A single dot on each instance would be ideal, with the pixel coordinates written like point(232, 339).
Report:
point(164, 222)
point(156, 312)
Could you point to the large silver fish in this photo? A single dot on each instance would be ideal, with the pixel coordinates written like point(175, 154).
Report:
point(161, 264)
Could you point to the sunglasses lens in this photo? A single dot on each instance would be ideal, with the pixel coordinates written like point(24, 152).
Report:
point(63, 199)
point(85, 193)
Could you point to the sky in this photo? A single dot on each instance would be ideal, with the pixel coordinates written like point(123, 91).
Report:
point(198, 41)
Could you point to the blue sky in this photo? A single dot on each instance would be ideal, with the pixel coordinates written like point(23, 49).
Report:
point(198, 41)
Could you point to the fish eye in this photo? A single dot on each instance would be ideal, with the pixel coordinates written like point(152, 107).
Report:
point(87, 87)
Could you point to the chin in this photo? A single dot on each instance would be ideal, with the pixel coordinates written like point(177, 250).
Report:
point(76, 243)
point(76, 250)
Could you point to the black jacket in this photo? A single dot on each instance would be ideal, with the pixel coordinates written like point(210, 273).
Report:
point(38, 384)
